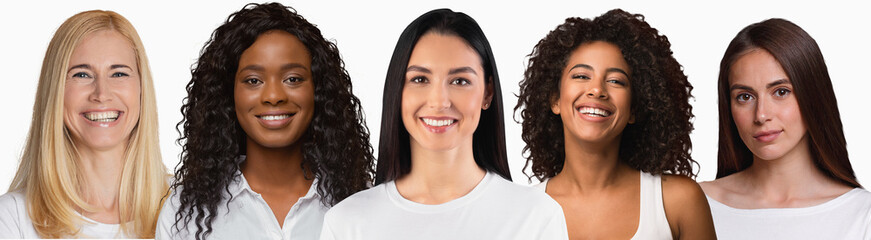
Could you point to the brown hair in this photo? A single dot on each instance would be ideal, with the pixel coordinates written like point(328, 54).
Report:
point(801, 59)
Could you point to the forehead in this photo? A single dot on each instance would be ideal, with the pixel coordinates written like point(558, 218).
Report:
point(599, 55)
point(278, 47)
point(104, 47)
point(756, 67)
point(435, 50)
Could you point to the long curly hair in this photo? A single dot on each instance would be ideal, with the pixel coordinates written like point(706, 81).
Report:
point(336, 147)
point(658, 142)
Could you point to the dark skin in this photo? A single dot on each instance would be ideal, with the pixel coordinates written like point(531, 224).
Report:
point(599, 194)
point(274, 99)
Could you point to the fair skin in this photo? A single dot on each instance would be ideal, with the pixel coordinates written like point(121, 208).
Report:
point(101, 108)
point(444, 94)
point(274, 100)
point(769, 122)
point(600, 194)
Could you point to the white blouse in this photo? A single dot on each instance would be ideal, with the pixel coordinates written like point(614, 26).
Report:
point(248, 217)
point(15, 221)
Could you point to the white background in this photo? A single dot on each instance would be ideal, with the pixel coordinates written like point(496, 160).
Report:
point(366, 33)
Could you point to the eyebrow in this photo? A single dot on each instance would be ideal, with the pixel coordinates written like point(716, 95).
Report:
point(415, 68)
point(775, 83)
point(609, 70)
point(769, 85)
point(462, 70)
point(114, 66)
point(85, 66)
point(255, 67)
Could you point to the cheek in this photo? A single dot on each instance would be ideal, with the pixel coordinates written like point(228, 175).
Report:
point(410, 102)
point(743, 117)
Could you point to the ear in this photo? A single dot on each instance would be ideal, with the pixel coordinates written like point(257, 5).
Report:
point(488, 95)
point(554, 104)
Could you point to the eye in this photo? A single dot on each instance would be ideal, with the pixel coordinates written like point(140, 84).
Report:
point(617, 81)
point(293, 80)
point(81, 75)
point(252, 81)
point(781, 92)
point(744, 97)
point(418, 79)
point(461, 82)
point(581, 76)
point(120, 74)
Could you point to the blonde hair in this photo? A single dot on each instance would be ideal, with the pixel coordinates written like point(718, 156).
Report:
point(49, 173)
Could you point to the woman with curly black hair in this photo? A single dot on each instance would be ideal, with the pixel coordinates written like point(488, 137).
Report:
point(606, 120)
point(442, 171)
point(273, 135)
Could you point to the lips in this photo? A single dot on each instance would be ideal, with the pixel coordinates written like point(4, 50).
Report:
point(594, 112)
point(275, 119)
point(102, 116)
point(767, 136)
point(438, 124)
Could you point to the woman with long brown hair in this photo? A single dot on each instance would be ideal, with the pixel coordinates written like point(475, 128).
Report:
point(783, 169)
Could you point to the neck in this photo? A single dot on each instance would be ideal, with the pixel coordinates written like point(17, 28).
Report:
point(591, 166)
point(274, 169)
point(438, 176)
point(101, 171)
point(792, 175)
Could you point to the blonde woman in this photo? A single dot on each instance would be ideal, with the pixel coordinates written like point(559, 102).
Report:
point(91, 166)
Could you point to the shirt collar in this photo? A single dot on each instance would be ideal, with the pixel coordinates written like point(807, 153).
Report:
point(240, 184)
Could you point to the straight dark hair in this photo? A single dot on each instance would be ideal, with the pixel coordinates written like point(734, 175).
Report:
point(394, 153)
point(802, 60)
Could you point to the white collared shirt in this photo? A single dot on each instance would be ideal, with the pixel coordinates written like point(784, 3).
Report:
point(249, 217)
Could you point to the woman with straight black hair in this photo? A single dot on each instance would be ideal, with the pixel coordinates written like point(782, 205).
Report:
point(442, 171)
point(783, 169)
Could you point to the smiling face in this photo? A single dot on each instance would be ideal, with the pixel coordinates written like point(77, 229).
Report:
point(764, 107)
point(444, 93)
point(274, 93)
point(595, 98)
point(101, 94)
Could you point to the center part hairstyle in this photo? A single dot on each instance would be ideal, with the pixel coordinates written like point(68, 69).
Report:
point(394, 149)
point(658, 142)
point(336, 143)
point(49, 172)
point(802, 61)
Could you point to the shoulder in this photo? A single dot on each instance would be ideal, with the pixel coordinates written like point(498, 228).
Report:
point(360, 202)
point(13, 216)
point(682, 196)
point(680, 190)
point(12, 202)
point(528, 196)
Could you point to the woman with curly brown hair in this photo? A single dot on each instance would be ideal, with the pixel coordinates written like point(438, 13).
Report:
point(606, 120)
point(783, 169)
point(273, 135)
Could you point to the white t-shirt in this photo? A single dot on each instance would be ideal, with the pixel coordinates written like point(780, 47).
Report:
point(15, 221)
point(845, 217)
point(248, 217)
point(495, 209)
point(652, 223)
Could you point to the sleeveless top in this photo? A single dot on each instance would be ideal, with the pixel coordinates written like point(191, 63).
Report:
point(652, 223)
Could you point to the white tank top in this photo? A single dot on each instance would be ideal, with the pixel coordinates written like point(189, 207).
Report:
point(652, 223)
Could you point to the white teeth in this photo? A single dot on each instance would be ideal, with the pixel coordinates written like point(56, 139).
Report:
point(438, 123)
point(596, 112)
point(274, 117)
point(109, 116)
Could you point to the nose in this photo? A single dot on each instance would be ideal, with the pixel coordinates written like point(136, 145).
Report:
point(762, 111)
point(102, 91)
point(438, 97)
point(273, 93)
point(597, 90)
